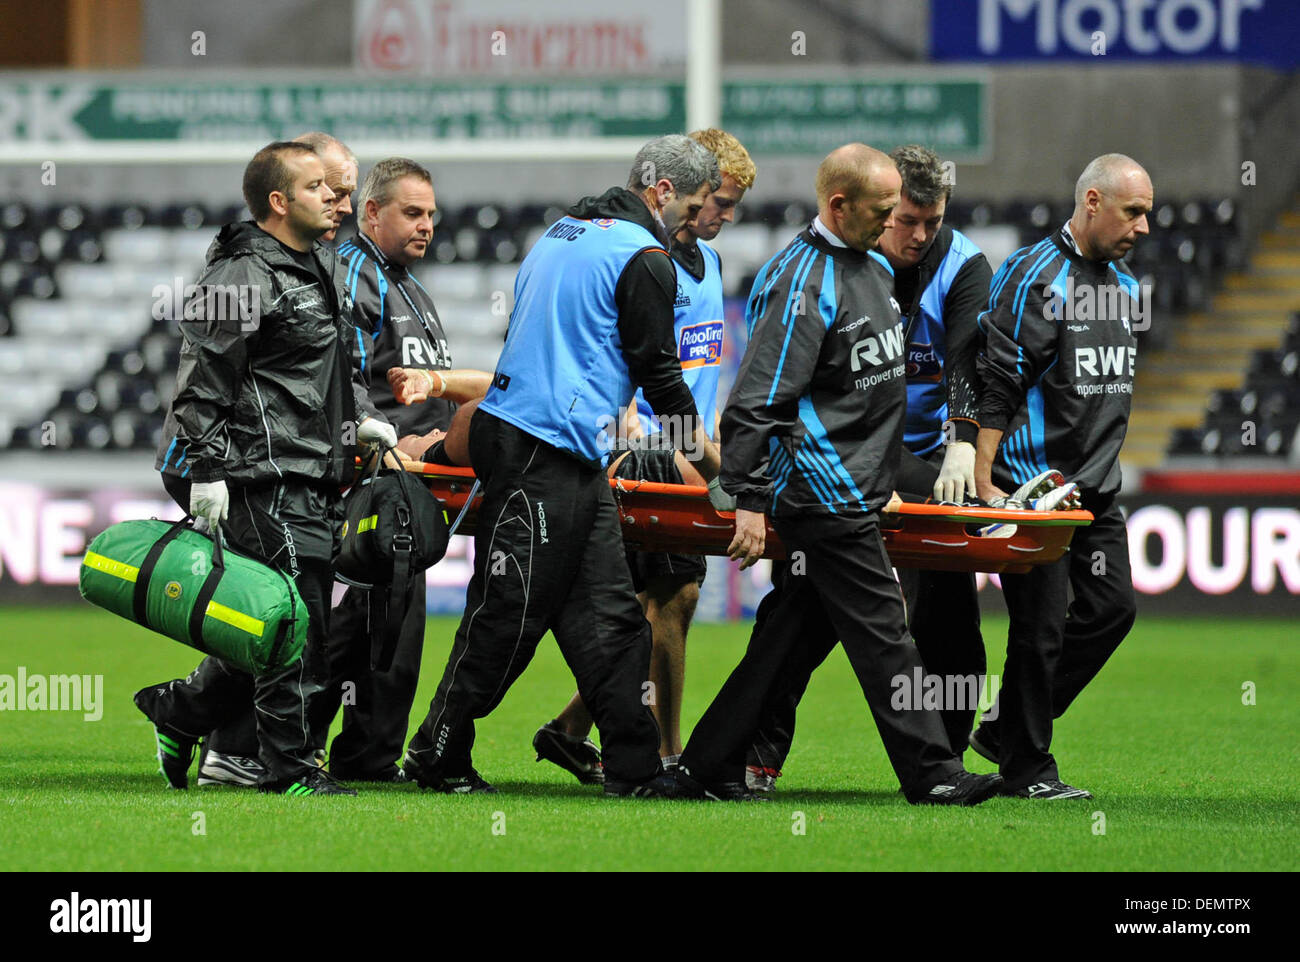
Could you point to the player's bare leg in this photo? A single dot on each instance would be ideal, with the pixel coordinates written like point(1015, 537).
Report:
point(575, 719)
point(669, 607)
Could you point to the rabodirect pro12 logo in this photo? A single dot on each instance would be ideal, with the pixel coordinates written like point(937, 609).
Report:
point(700, 344)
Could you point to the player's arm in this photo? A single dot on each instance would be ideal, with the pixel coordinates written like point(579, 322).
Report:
point(784, 344)
point(631, 426)
point(644, 297)
point(986, 450)
point(966, 297)
point(411, 385)
point(1020, 342)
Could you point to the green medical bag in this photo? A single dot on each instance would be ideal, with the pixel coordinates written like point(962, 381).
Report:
point(170, 578)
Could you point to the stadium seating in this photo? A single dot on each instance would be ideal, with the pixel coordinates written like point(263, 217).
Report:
point(88, 347)
point(1262, 418)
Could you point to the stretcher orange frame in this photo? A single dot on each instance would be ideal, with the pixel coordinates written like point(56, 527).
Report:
point(680, 518)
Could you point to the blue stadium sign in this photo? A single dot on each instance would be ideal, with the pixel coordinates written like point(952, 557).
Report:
point(1249, 31)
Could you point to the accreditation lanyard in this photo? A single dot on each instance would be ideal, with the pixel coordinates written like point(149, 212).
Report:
point(434, 341)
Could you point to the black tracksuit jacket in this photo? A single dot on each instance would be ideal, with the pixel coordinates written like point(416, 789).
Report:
point(814, 422)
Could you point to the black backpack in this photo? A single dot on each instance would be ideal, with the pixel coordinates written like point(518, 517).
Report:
point(394, 529)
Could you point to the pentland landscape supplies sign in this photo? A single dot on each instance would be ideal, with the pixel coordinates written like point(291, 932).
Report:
point(801, 116)
point(69, 109)
point(950, 114)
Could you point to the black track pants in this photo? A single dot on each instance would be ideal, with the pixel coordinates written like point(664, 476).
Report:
point(944, 619)
point(376, 704)
point(839, 588)
point(1055, 645)
point(292, 527)
point(548, 555)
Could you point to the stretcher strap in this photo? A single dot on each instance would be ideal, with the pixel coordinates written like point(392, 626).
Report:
point(464, 508)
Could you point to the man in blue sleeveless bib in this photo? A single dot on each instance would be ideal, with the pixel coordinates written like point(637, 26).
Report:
point(668, 584)
point(592, 320)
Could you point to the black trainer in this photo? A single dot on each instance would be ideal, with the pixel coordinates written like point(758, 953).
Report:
point(575, 754)
point(1052, 790)
point(316, 782)
point(175, 748)
point(961, 788)
point(663, 785)
point(717, 791)
point(733, 792)
point(468, 784)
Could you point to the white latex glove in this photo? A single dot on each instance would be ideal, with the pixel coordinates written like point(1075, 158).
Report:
point(957, 476)
point(374, 431)
point(720, 500)
point(210, 501)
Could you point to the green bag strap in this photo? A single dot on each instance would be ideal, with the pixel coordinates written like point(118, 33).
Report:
point(199, 612)
point(141, 595)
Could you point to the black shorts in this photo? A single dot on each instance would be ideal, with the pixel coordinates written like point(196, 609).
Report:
point(647, 462)
point(437, 454)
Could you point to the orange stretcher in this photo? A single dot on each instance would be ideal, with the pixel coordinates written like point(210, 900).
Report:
point(680, 518)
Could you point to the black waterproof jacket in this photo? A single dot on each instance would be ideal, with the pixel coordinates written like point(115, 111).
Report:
point(269, 386)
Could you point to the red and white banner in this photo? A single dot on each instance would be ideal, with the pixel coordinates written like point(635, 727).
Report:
point(1191, 554)
point(518, 38)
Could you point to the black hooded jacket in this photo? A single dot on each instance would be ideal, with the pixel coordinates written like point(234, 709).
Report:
point(268, 388)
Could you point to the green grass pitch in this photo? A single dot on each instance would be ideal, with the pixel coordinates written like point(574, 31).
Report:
point(1185, 775)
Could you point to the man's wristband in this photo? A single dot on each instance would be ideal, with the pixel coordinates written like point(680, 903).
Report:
point(960, 429)
point(436, 388)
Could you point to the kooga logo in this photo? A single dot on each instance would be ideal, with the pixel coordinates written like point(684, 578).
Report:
point(1180, 27)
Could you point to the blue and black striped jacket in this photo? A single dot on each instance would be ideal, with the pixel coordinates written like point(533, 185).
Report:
point(814, 422)
point(1057, 365)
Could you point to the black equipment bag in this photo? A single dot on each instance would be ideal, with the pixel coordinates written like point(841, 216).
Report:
point(394, 529)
